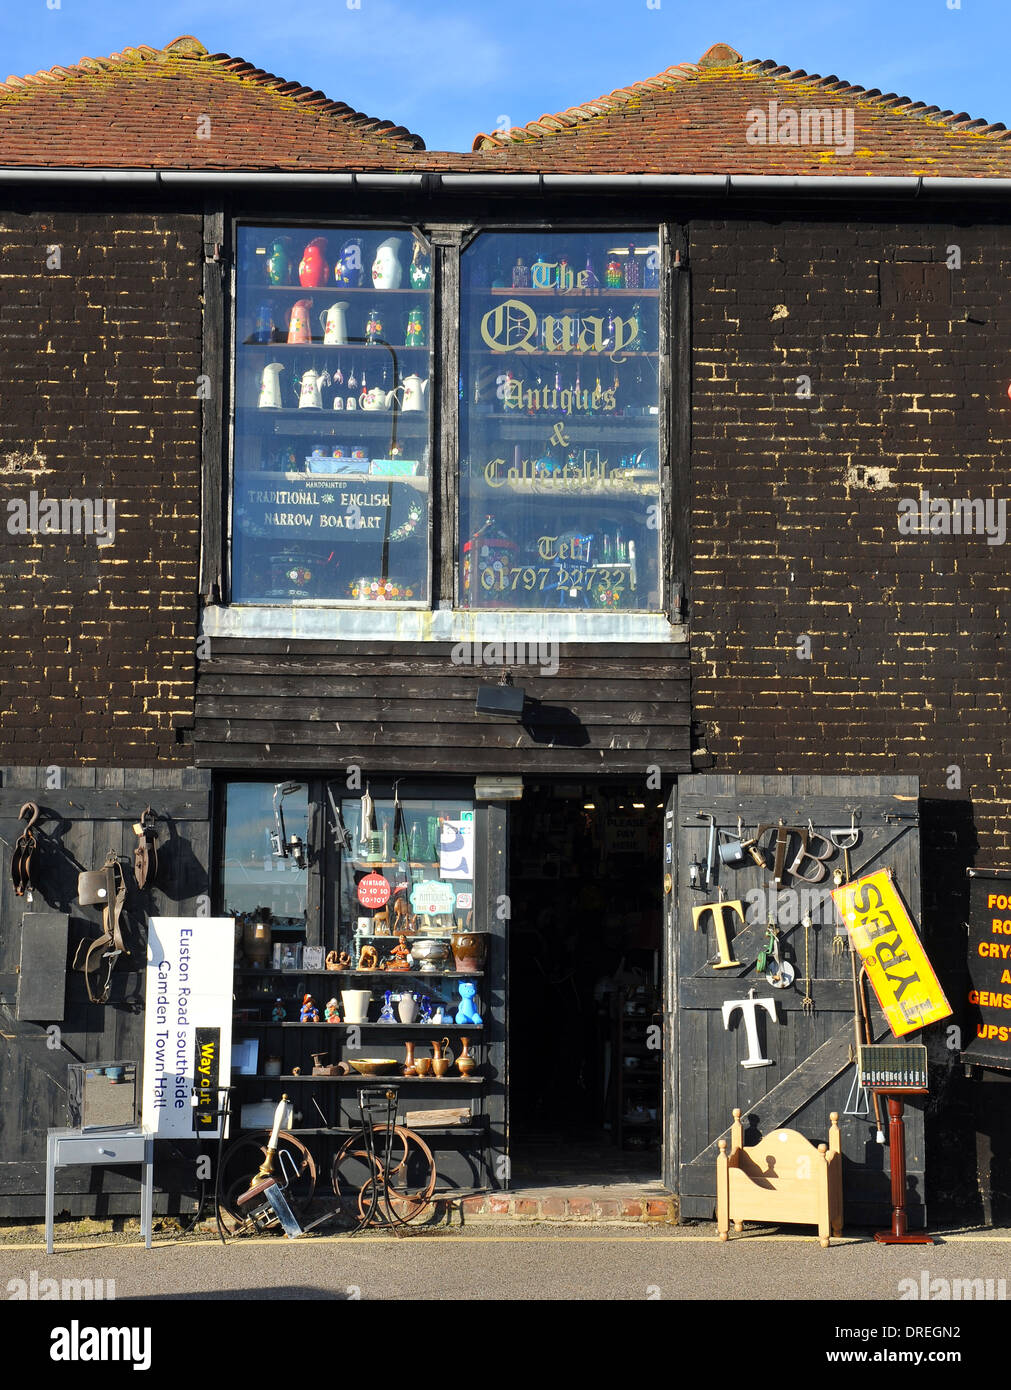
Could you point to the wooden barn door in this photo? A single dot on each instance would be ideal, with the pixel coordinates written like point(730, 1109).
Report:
point(810, 1050)
point(88, 814)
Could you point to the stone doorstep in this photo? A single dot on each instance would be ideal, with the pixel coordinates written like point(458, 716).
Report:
point(570, 1204)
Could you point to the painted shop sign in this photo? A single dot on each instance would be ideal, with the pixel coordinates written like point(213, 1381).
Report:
point(308, 509)
point(513, 326)
point(187, 1024)
point(988, 995)
point(883, 935)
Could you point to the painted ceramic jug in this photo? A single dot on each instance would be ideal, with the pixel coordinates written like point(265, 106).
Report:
point(279, 263)
point(313, 270)
point(386, 268)
point(334, 323)
point(309, 386)
point(270, 386)
point(414, 392)
point(299, 330)
point(348, 267)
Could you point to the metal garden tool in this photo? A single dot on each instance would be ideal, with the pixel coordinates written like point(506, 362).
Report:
point(711, 845)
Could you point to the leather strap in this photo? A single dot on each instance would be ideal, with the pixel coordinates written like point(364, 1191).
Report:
point(90, 960)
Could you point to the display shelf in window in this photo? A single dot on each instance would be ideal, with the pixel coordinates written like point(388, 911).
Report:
point(333, 365)
point(561, 403)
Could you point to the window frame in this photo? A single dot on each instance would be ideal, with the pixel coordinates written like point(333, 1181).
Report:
point(441, 618)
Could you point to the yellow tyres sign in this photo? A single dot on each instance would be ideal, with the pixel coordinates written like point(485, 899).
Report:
point(883, 934)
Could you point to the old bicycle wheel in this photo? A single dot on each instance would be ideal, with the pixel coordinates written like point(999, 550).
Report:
point(241, 1161)
point(398, 1196)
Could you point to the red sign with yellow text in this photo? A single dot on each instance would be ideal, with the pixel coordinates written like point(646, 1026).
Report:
point(883, 935)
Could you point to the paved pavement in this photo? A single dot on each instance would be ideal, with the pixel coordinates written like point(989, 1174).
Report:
point(813, 1310)
point(505, 1262)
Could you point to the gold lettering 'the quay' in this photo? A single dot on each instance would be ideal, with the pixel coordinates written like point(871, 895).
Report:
point(512, 326)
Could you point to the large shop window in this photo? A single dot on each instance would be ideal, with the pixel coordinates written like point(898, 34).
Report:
point(331, 445)
point(559, 426)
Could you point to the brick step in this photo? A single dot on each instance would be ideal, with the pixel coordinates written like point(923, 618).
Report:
point(567, 1204)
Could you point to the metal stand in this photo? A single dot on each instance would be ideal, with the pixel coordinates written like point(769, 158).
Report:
point(899, 1234)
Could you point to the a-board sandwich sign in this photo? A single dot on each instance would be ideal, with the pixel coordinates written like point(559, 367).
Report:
point(188, 1024)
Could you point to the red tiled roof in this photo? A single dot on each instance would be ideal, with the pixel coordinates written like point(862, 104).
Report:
point(180, 107)
point(695, 118)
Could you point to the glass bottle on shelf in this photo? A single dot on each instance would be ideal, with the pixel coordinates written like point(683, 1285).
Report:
point(521, 275)
point(374, 327)
point(632, 268)
point(590, 275)
point(651, 271)
point(263, 332)
point(566, 279)
point(615, 274)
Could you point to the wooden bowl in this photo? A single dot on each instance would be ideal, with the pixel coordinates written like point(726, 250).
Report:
point(375, 1066)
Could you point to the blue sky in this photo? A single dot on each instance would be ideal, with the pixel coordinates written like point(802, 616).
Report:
point(448, 68)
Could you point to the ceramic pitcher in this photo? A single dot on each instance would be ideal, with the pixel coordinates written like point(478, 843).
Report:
point(334, 323)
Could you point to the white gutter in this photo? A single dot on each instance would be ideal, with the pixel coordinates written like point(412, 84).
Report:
point(725, 185)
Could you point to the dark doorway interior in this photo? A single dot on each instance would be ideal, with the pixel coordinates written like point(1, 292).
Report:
point(585, 1059)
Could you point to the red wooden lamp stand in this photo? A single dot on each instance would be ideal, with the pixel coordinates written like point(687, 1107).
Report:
point(899, 1234)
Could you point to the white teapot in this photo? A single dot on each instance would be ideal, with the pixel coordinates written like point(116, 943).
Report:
point(414, 392)
point(376, 399)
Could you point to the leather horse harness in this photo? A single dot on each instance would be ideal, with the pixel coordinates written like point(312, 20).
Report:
point(25, 848)
point(105, 886)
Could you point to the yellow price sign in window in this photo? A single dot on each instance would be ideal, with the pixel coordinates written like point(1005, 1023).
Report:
point(883, 934)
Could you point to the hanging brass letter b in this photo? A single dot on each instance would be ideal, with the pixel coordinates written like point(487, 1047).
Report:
point(718, 909)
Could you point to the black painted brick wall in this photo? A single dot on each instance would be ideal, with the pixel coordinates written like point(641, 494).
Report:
point(99, 357)
point(909, 635)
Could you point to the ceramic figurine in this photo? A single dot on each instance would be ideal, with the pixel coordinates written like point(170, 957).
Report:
point(313, 270)
point(438, 1016)
point(368, 960)
point(466, 1013)
point(386, 1013)
point(348, 267)
point(399, 954)
point(421, 268)
point(309, 1013)
point(330, 1013)
point(386, 269)
point(279, 1013)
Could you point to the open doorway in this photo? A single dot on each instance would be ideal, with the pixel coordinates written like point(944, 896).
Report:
point(585, 978)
